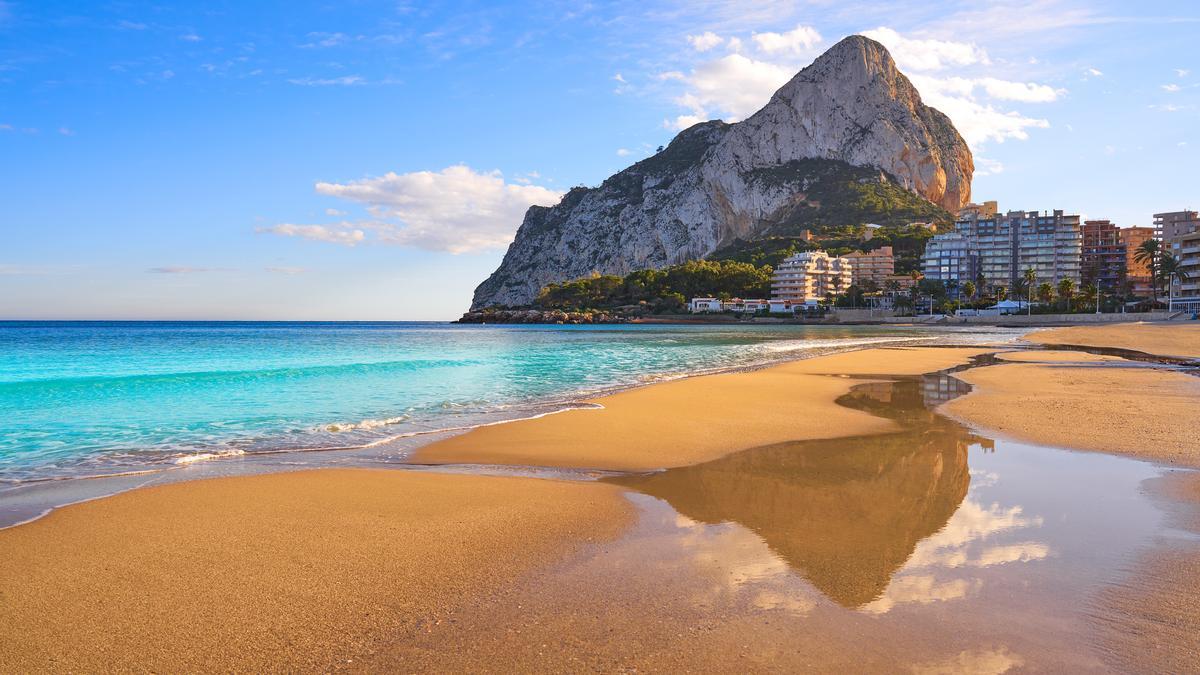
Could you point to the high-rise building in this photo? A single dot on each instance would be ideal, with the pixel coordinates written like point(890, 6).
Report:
point(1172, 224)
point(1103, 259)
point(809, 276)
point(1137, 274)
point(873, 266)
point(1050, 244)
point(951, 259)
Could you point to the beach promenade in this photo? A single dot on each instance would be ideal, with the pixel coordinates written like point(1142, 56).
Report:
point(797, 502)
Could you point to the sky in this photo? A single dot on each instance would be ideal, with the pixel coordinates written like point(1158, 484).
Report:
point(371, 160)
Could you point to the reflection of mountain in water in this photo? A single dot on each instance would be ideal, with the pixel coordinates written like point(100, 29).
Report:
point(846, 513)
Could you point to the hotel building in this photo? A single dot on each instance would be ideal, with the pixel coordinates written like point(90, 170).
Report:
point(873, 266)
point(809, 276)
point(1103, 259)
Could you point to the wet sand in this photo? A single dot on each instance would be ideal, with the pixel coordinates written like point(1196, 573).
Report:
point(1180, 339)
point(697, 419)
point(1083, 402)
point(293, 571)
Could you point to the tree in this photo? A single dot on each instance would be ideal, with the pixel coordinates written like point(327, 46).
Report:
point(970, 289)
point(1066, 289)
point(1001, 294)
point(1148, 254)
point(1029, 277)
point(1170, 271)
point(1045, 293)
point(1090, 295)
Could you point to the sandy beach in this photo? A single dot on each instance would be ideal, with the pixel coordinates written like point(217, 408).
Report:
point(379, 569)
point(1180, 339)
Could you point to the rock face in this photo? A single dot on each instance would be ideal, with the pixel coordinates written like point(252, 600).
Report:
point(718, 182)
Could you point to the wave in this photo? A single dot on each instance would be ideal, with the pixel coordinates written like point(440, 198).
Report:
point(208, 456)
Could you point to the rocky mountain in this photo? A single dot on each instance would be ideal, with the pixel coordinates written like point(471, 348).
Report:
point(717, 183)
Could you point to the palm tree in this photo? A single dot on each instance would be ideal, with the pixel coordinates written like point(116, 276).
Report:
point(1029, 277)
point(1045, 293)
point(1066, 289)
point(1090, 295)
point(1148, 254)
point(1170, 271)
point(970, 289)
point(1001, 294)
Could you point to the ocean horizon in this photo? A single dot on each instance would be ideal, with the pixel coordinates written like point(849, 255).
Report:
point(95, 398)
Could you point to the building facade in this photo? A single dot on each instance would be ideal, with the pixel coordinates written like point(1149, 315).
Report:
point(873, 266)
point(1103, 258)
point(1185, 296)
point(1168, 226)
point(952, 259)
point(1049, 243)
point(1137, 274)
point(809, 277)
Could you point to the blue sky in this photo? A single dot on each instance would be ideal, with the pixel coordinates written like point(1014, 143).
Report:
point(370, 160)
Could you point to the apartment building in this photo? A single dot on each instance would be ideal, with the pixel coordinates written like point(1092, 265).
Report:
point(1103, 257)
point(873, 266)
point(979, 211)
point(952, 259)
point(1168, 226)
point(1048, 243)
point(809, 276)
point(1185, 296)
point(1137, 274)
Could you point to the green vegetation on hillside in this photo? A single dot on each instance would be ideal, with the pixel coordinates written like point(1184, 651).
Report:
point(907, 242)
point(665, 290)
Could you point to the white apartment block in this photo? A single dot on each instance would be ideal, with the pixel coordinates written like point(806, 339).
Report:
point(808, 277)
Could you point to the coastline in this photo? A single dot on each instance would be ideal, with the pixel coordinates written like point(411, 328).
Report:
point(450, 520)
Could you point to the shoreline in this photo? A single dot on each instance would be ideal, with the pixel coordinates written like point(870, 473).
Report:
point(219, 465)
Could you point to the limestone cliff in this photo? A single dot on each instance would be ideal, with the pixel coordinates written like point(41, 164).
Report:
point(717, 183)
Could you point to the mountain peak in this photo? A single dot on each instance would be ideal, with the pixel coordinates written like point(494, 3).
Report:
point(852, 112)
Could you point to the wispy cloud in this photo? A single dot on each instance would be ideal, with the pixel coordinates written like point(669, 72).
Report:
point(190, 37)
point(345, 81)
point(184, 269)
point(346, 234)
point(126, 24)
point(290, 271)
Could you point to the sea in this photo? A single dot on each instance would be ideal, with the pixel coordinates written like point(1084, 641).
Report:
point(89, 399)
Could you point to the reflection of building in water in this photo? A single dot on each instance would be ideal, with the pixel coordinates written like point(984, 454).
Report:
point(937, 389)
point(845, 513)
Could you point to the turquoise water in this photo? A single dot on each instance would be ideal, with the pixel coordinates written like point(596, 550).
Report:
point(84, 399)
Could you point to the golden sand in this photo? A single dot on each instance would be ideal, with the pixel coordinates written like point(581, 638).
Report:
point(1181, 339)
point(294, 571)
point(697, 419)
point(1143, 412)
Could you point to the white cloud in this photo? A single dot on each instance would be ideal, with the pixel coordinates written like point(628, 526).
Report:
point(1181, 72)
point(6, 127)
point(457, 210)
point(190, 37)
point(1092, 72)
point(1171, 88)
point(126, 24)
point(704, 41)
point(343, 233)
point(168, 74)
point(1026, 92)
point(795, 42)
point(987, 167)
point(334, 212)
point(978, 122)
point(619, 78)
point(622, 152)
point(182, 269)
point(733, 85)
point(65, 131)
point(916, 54)
point(290, 271)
